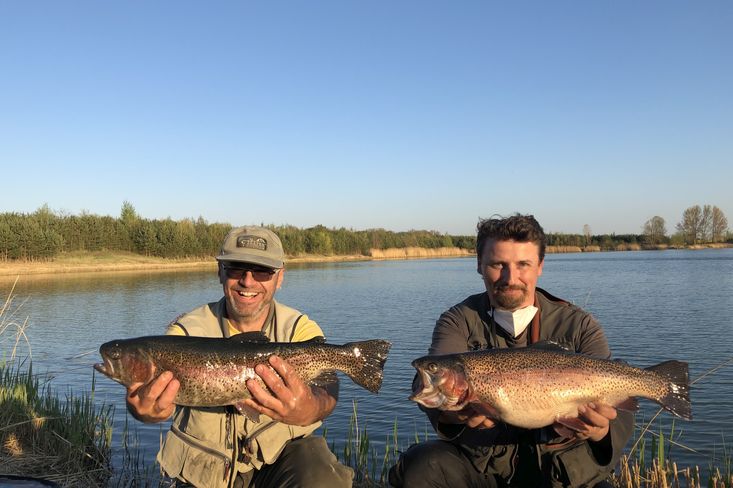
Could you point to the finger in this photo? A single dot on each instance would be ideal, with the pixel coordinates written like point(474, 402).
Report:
point(476, 421)
point(604, 409)
point(147, 393)
point(157, 386)
point(259, 394)
point(591, 417)
point(270, 377)
point(488, 423)
point(276, 381)
point(259, 408)
point(168, 397)
point(287, 373)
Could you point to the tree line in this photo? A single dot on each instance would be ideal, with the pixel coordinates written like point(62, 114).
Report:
point(699, 225)
point(44, 234)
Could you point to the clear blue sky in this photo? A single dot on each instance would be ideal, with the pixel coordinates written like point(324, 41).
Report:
point(394, 114)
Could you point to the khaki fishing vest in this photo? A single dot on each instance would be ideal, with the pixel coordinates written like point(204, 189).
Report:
point(206, 447)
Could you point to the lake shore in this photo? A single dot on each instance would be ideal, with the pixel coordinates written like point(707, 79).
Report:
point(91, 262)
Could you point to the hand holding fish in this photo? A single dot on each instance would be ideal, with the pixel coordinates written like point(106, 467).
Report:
point(290, 400)
point(154, 401)
point(591, 424)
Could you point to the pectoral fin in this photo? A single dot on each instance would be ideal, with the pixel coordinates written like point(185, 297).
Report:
point(247, 411)
point(573, 423)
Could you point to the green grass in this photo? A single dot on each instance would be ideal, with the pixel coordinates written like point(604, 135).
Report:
point(64, 440)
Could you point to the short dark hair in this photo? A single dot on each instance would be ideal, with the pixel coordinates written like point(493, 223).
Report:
point(520, 228)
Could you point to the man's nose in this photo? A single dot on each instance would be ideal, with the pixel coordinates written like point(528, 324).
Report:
point(247, 279)
point(509, 275)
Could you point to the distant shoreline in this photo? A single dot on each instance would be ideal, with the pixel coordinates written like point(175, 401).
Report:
point(92, 262)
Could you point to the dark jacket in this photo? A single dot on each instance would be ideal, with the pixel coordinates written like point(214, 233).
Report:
point(512, 452)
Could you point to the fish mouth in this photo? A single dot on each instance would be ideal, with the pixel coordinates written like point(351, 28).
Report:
point(424, 392)
point(106, 368)
point(428, 394)
point(437, 390)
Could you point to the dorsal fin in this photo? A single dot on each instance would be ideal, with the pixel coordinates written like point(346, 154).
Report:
point(256, 337)
point(315, 340)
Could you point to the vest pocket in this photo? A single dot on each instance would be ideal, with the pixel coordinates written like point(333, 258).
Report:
point(267, 443)
point(186, 458)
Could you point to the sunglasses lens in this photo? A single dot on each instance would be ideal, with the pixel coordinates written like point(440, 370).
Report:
point(258, 274)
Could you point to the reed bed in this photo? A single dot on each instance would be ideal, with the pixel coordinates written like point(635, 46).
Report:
point(647, 465)
point(41, 435)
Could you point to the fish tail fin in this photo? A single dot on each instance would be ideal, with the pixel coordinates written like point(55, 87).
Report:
point(367, 370)
point(677, 398)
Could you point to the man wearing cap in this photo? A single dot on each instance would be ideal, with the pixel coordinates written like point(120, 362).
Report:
point(219, 446)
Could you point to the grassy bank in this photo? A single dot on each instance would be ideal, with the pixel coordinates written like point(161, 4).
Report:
point(42, 435)
point(102, 261)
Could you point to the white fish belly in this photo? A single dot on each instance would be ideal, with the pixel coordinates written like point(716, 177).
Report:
point(535, 399)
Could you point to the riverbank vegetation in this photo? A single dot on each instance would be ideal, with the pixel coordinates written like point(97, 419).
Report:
point(45, 235)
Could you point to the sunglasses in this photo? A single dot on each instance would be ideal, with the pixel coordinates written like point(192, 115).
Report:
point(259, 273)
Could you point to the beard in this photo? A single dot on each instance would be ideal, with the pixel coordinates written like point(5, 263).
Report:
point(241, 312)
point(509, 301)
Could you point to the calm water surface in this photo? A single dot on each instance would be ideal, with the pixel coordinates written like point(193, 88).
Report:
point(653, 305)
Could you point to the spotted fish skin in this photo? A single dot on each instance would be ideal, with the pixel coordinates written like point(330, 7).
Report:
point(533, 387)
point(214, 371)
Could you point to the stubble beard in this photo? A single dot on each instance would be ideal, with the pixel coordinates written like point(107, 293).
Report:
point(246, 315)
point(509, 302)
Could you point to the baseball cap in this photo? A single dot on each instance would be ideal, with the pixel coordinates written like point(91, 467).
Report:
point(256, 245)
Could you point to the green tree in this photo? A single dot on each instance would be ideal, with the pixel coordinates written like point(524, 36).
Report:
point(128, 215)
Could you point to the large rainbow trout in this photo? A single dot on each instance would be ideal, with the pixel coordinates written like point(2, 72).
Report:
point(214, 371)
point(533, 387)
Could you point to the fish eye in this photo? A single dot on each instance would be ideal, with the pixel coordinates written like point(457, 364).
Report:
point(115, 353)
point(432, 368)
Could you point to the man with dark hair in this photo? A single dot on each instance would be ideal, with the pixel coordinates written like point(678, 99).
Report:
point(475, 451)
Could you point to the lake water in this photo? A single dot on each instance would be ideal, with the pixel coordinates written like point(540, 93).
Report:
point(654, 305)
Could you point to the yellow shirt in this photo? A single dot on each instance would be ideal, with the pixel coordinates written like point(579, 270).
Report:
point(305, 331)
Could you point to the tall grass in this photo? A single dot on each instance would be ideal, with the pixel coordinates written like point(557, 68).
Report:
point(63, 440)
point(358, 451)
point(647, 465)
point(66, 439)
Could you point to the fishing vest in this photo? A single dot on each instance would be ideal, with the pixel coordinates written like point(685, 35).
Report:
point(208, 446)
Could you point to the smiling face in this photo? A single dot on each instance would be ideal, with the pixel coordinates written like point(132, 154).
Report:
point(248, 294)
point(510, 270)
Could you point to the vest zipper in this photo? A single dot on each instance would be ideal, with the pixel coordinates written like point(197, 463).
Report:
point(198, 445)
point(247, 441)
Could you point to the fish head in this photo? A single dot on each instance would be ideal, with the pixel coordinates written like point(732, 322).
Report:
point(125, 363)
point(441, 383)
